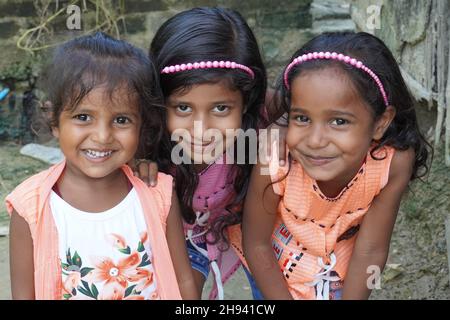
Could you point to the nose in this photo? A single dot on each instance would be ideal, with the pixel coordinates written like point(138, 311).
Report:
point(317, 137)
point(199, 128)
point(103, 133)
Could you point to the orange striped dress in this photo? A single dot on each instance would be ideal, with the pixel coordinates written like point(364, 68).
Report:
point(314, 235)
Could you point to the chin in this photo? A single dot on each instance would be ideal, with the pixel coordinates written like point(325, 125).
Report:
point(319, 175)
point(205, 156)
point(98, 174)
point(209, 160)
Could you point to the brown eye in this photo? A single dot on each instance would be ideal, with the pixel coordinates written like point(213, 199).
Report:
point(221, 108)
point(301, 118)
point(82, 117)
point(339, 122)
point(122, 120)
point(184, 108)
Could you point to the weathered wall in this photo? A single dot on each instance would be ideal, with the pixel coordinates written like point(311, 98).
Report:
point(406, 29)
point(280, 26)
point(409, 28)
point(418, 33)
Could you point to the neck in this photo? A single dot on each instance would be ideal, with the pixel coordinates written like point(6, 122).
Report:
point(200, 167)
point(332, 189)
point(92, 194)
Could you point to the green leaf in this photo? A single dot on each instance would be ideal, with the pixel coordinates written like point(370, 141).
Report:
point(126, 251)
point(94, 291)
point(64, 265)
point(67, 296)
point(140, 247)
point(85, 292)
point(68, 257)
point(86, 287)
point(144, 263)
point(85, 271)
point(129, 291)
point(85, 284)
point(76, 259)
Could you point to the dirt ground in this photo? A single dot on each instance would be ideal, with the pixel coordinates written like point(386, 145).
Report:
point(5, 292)
point(417, 264)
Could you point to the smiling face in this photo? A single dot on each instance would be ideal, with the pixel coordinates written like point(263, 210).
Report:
point(330, 127)
point(215, 106)
point(100, 134)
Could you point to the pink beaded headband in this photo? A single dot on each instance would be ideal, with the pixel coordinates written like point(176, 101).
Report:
point(207, 65)
point(335, 56)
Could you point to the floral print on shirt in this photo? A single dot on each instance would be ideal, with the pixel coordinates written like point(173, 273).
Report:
point(121, 280)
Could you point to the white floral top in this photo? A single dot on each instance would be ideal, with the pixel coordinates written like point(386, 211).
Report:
point(104, 255)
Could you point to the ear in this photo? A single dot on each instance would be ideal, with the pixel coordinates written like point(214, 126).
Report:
point(383, 122)
point(47, 111)
point(55, 132)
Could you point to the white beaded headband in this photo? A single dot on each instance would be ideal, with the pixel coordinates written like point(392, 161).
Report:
point(207, 65)
point(339, 57)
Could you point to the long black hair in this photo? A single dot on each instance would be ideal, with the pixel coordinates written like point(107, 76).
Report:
point(208, 34)
point(403, 132)
point(80, 65)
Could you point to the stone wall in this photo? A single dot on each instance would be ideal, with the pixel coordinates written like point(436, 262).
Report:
point(418, 33)
point(406, 29)
point(409, 28)
point(280, 26)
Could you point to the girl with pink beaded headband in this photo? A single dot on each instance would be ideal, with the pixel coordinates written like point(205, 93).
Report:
point(210, 69)
point(329, 215)
point(337, 57)
point(207, 65)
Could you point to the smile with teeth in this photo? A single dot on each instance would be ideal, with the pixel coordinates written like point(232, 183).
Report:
point(97, 154)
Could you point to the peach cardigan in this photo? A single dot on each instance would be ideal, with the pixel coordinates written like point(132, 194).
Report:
point(31, 201)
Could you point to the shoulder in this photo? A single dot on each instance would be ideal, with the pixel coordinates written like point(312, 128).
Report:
point(157, 199)
point(32, 182)
point(163, 190)
point(398, 169)
point(386, 164)
point(164, 185)
point(402, 165)
point(25, 197)
point(165, 181)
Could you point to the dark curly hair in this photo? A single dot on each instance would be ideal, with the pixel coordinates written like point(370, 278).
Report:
point(80, 65)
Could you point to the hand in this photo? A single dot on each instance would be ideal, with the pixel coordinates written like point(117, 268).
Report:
point(145, 170)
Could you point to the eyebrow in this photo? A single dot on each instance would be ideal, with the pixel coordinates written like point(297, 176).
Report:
point(77, 109)
point(333, 112)
point(175, 100)
point(119, 112)
point(298, 109)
